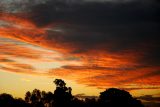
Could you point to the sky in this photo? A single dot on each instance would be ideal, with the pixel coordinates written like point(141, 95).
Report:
point(91, 44)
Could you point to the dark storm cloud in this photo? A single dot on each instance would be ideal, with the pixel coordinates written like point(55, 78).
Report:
point(114, 27)
point(152, 57)
point(95, 14)
point(103, 17)
point(14, 6)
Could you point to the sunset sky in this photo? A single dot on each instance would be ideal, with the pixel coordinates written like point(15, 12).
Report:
point(91, 44)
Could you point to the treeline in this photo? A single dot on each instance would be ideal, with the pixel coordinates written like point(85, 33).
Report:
point(62, 97)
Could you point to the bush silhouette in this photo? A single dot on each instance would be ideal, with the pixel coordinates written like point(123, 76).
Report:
point(6, 100)
point(118, 98)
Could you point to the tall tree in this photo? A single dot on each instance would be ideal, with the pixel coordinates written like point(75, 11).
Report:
point(62, 94)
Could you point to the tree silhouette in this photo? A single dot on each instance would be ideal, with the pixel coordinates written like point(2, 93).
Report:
point(6, 100)
point(62, 97)
point(47, 98)
point(20, 103)
point(59, 83)
point(34, 98)
point(118, 98)
point(90, 102)
point(28, 97)
point(62, 94)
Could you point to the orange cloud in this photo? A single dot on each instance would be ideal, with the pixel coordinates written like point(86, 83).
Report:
point(130, 79)
point(103, 62)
